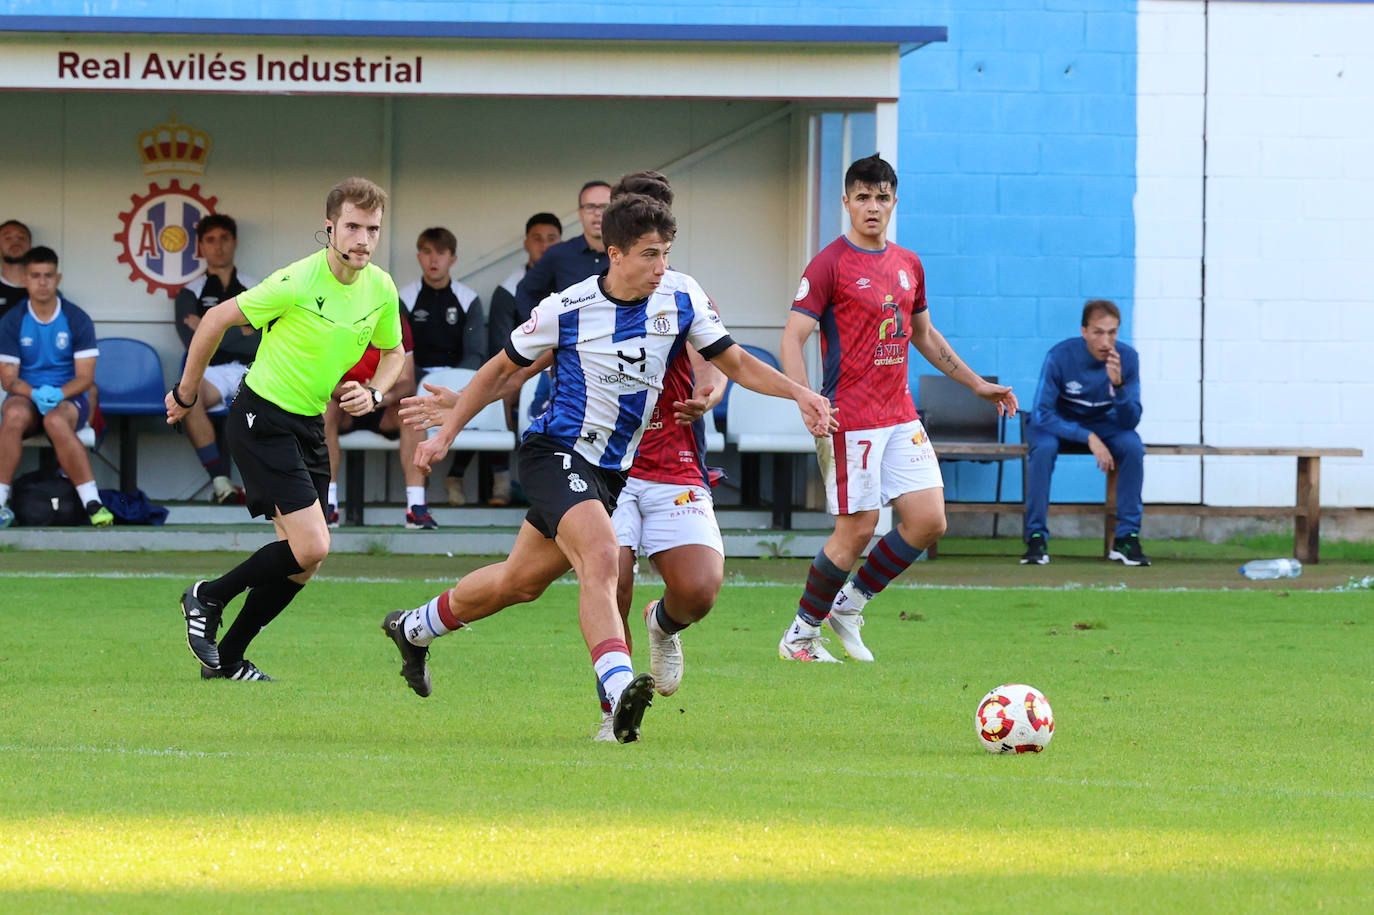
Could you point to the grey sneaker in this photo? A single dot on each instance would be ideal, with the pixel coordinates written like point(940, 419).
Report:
point(414, 666)
point(202, 624)
point(604, 732)
point(245, 670)
point(629, 711)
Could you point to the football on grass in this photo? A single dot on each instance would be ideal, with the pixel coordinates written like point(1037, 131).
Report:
point(1014, 718)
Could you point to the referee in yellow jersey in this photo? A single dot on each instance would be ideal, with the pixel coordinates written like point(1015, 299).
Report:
point(316, 316)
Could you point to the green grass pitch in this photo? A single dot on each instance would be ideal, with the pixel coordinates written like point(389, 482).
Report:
point(1212, 753)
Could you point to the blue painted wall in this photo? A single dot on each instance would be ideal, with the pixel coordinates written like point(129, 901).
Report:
point(1017, 154)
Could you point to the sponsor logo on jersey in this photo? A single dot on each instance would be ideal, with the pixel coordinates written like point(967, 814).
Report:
point(904, 280)
point(688, 496)
point(920, 439)
point(420, 314)
point(1073, 387)
point(319, 302)
point(250, 417)
point(863, 282)
point(586, 297)
point(803, 290)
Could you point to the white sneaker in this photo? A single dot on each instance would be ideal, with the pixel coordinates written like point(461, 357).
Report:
point(605, 731)
point(845, 620)
point(803, 643)
point(665, 654)
point(225, 492)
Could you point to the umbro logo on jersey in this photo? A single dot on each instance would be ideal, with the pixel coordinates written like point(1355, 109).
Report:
point(1073, 387)
point(250, 417)
point(863, 282)
point(319, 302)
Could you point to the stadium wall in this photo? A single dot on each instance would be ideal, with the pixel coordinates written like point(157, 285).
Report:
point(1053, 150)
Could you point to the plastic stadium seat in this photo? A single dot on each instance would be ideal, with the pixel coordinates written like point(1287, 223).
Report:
point(758, 423)
point(128, 373)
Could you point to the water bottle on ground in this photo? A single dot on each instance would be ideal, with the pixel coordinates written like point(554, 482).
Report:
point(1265, 569)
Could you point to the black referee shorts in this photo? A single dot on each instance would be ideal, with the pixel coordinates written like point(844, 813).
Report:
point(281, 455)
point(555, 478)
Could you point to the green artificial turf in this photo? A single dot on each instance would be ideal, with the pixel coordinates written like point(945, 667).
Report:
point(1211, 754)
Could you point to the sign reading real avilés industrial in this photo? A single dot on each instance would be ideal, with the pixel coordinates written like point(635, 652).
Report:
point(154, 69)
point(195, 64)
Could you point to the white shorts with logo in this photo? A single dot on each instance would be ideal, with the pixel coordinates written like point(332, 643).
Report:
point(652, 517)
point(225, 378)
point(865, 469)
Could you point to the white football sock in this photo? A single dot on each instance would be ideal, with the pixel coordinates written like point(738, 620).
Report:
point(415, 495)
point(422, 625)
point(4, 494)
point(88, 492)
point(615, 671)
point(333, 493)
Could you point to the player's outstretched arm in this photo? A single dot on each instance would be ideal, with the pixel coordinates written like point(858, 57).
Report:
point(758, 376)
point(485, 387)
point(204, 342)
point(932, 344)
point(429, 409)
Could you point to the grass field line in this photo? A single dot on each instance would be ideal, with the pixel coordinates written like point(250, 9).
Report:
point(654, 581)
point(733, 768)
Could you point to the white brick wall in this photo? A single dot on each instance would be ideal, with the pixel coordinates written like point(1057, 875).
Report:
point(1289, 323)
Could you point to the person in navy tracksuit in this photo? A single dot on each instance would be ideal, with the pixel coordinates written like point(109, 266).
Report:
point(1089, 393)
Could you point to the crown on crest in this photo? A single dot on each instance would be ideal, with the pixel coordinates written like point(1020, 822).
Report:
point(176, 148)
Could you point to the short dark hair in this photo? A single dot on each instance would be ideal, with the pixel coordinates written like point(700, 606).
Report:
point(439, 238)
point(362, 193)
point(633, 216)
point(543, 219)
point(1095, 307)
point(39, 255)
point(588, 186)
point(217, 221)
point(14, 222)
point(871, 170)
point(649, 183)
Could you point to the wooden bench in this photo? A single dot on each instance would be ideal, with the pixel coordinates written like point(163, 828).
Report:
point(1305, 512)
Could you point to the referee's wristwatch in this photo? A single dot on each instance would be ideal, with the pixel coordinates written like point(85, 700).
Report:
point(376, 396)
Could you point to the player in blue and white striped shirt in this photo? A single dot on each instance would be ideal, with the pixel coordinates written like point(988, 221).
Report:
point(611, 337)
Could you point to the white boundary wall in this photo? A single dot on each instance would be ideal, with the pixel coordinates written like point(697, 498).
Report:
point(1285, 344)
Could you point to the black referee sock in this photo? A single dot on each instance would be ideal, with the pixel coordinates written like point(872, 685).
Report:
point(262, 606)
point(269, 564)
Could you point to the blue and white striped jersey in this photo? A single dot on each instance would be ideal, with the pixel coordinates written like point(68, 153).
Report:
point(609, 360)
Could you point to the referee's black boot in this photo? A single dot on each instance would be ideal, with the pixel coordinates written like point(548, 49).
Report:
point(202, 625)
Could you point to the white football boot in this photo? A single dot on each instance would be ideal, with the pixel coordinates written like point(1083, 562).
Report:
point(803, 643)
point(846, 619)
point(665, 653)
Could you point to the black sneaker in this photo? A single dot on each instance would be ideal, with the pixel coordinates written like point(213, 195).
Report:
point(1127, 550)
point(202, 623)
point(413, 666)
point(244, 670)
point(1037, 551)
point(636, 698)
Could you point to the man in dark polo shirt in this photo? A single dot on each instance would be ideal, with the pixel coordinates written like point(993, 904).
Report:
point(571, 261)
point(217, 236)
point(15, 242)
point(449, 330)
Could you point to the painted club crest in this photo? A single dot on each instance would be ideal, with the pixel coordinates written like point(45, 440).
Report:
point(157, 236)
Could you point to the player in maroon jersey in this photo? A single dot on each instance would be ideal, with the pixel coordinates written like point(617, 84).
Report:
point(666, 512)
point(868, 297)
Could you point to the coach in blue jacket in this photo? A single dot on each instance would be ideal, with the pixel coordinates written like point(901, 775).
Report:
point(1089, 393)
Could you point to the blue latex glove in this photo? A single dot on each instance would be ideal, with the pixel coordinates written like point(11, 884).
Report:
point(46, 397)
